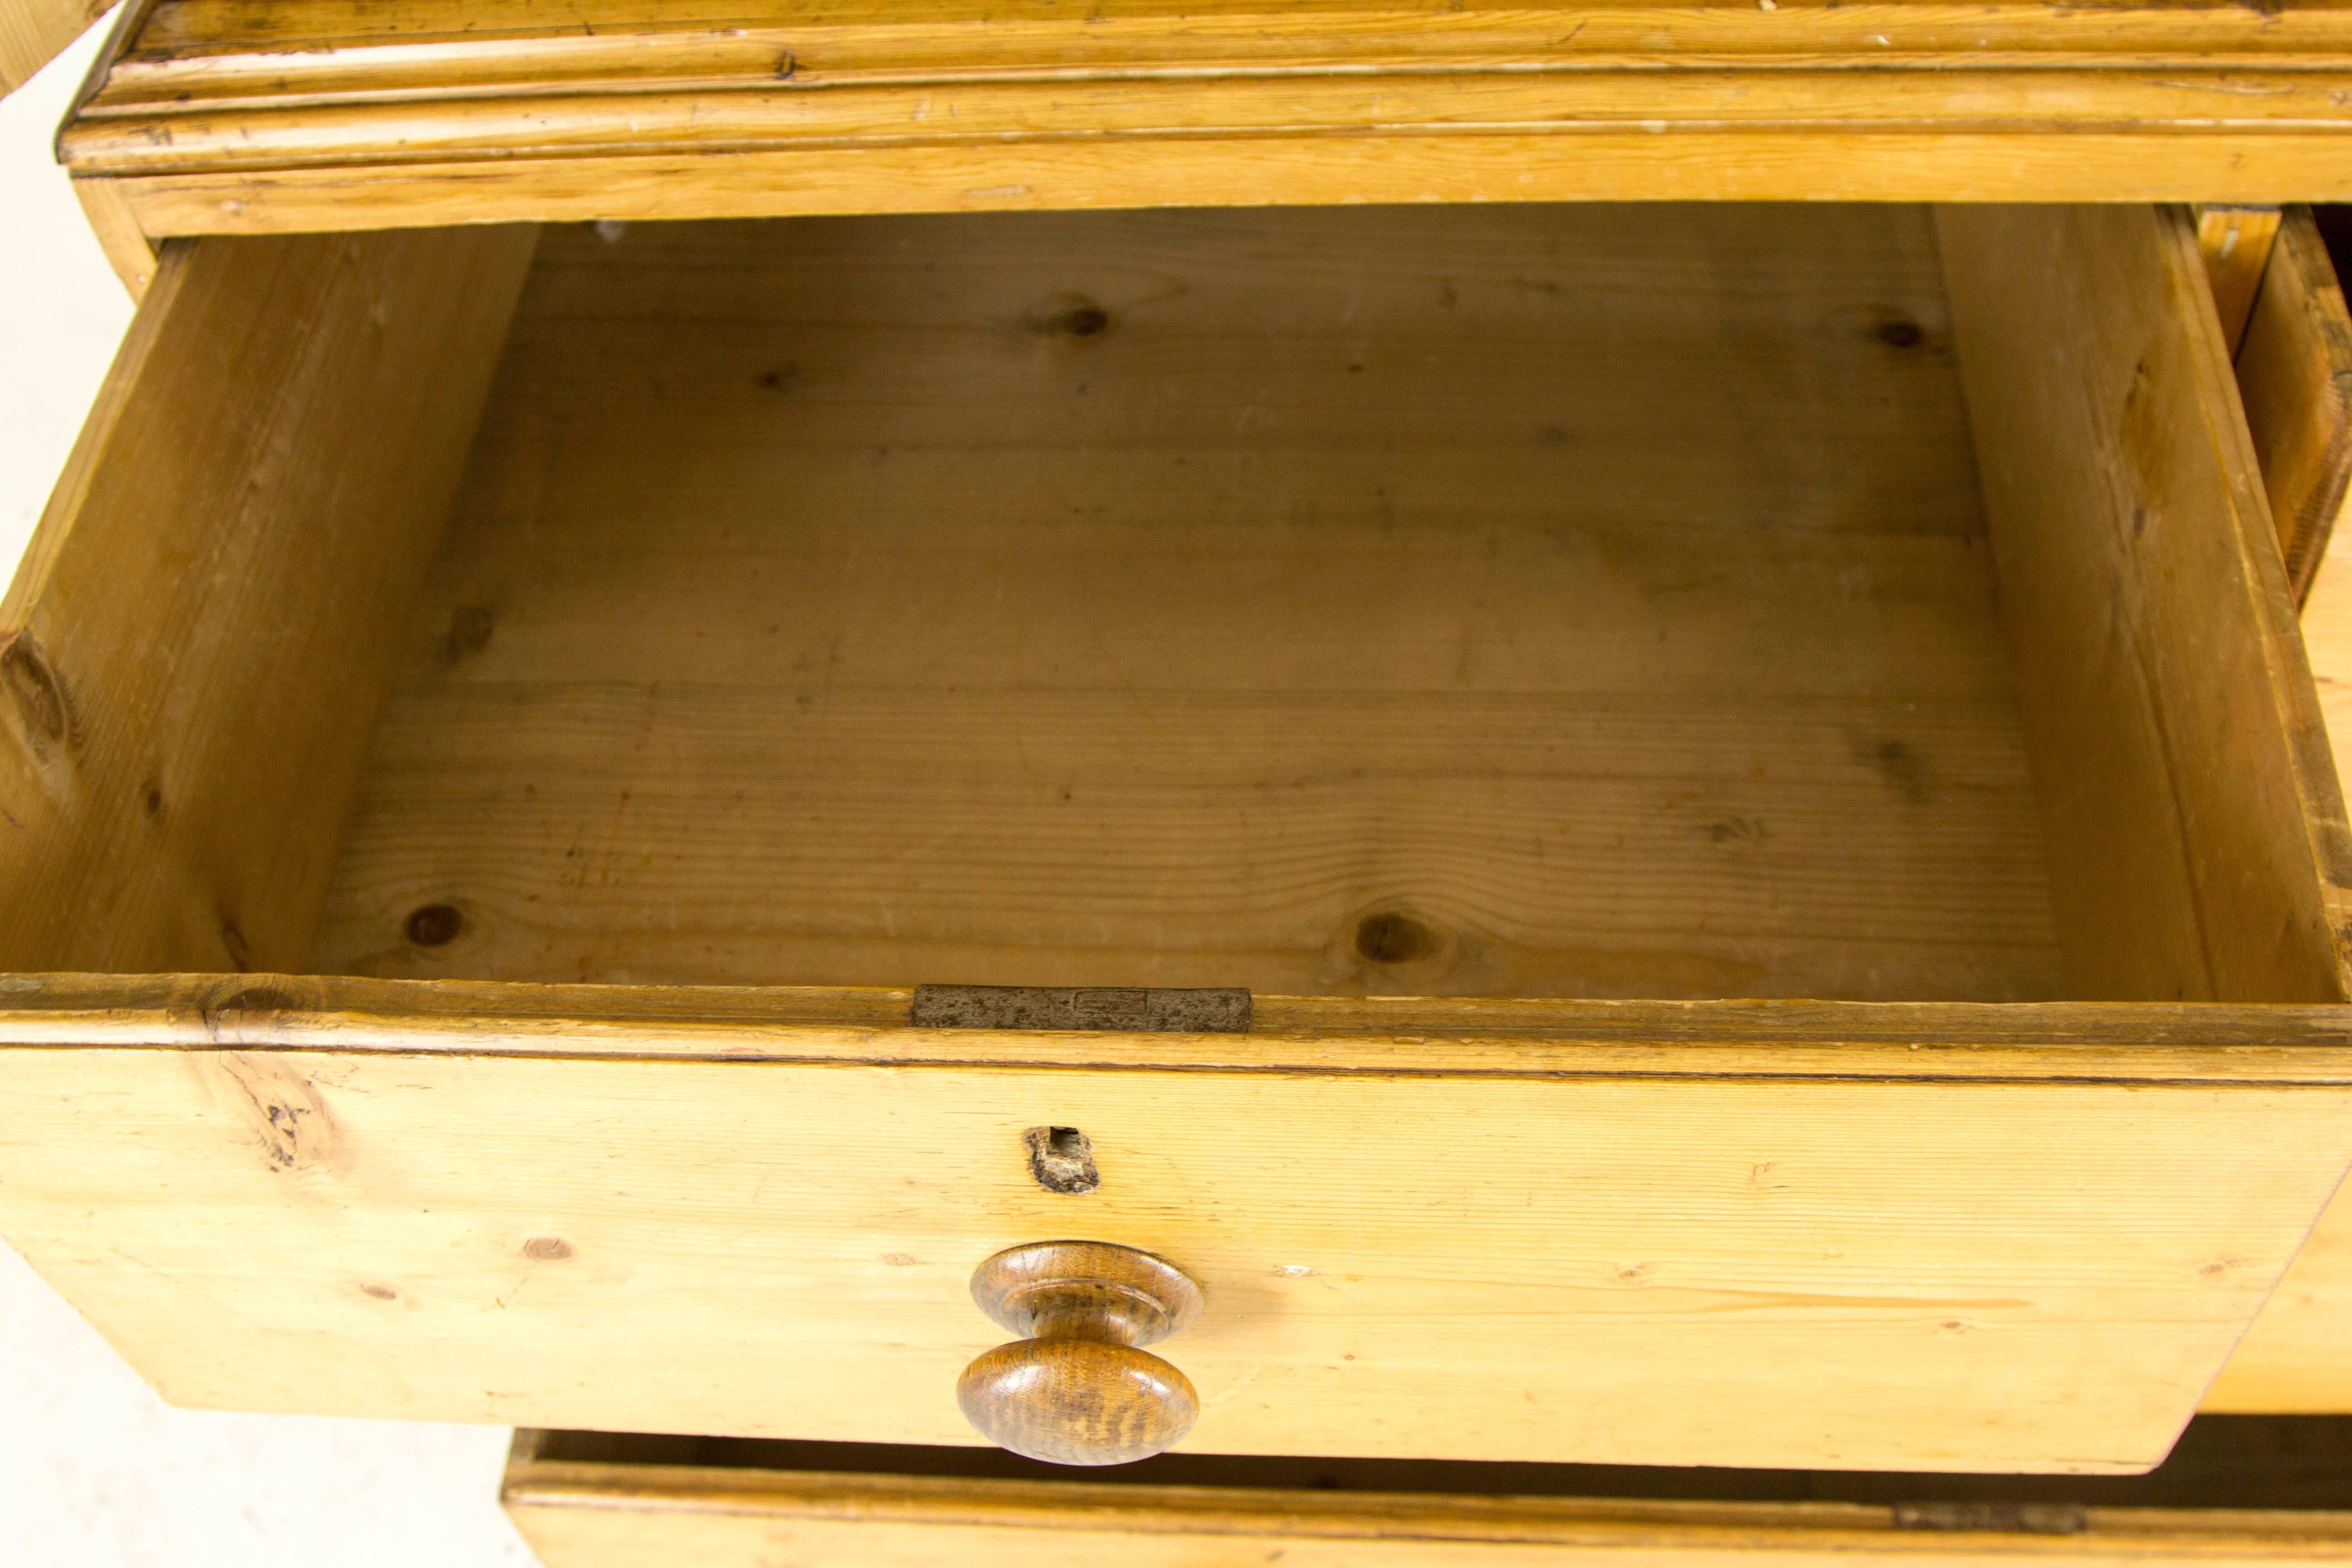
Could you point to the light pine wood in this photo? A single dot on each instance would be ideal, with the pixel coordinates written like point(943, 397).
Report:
point(2296, 1357)
point(35, 32)
point(1923, 1265)
point(842, 1525)
point(128, 249)
point(947, 476)
point(602, 1500)
point(2295, 371)
point(197, 642)
point(1785, 101)
point(1470, 166)
point(326, 113)
point(993, 601)
point(2170, 1044)
point(212, 51)
point(2194, 826)
point(2237, 242)
point(2327, 637)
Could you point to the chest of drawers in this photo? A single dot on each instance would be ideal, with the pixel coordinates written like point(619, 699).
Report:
point(498, 722)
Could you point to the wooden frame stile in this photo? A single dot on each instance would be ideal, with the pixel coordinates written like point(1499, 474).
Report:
point(128, 247)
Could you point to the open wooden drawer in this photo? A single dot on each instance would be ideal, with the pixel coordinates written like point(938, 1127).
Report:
point(2238, 1490)
point(1515, 643)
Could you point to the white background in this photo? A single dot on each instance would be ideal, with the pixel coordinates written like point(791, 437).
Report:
point(95, 1471)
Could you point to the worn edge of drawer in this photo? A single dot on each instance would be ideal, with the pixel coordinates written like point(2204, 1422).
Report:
point(2203, 1043)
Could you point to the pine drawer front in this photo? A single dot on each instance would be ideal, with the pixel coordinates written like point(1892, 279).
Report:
point(1514, 644)
point(2239, 1490)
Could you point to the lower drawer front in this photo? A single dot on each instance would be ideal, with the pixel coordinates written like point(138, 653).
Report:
point(2239, 1490)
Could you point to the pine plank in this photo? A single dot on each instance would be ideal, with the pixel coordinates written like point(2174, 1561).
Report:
point(1843, 1272)
point(822, 608)
point(2261, 1490)
point(2195, 829)
point(329, 114)
point(2237, 242)
point(2295, 371)
point(34, 32)
point(197, 642)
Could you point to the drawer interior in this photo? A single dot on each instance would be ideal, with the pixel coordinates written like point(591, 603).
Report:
point(1542, 602)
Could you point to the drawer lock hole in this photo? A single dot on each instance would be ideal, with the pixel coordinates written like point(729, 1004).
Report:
point(1062, 1159)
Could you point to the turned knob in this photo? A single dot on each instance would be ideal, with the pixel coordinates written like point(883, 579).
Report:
point(1080, 1389)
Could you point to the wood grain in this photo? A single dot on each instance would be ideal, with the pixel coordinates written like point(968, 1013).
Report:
point(34, 32)
point(2295, 373)
point(1077, 1388)
point(2194, 826)
point(593, 1499)
point(976, 116)
point(1403, 1037)
point(572, 1522)
point(201, 48)
point(1694, 164)
point(2237, 242)
point(2292, 1359)
point(1841, 1272)
point(196, 641)
point(128, 249)
point(1176, 600)
point(2210, 102)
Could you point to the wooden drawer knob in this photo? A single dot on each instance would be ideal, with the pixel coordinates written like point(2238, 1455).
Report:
point(1079, 1390)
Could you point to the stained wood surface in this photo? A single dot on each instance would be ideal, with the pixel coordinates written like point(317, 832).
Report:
point(2237, 242)
point(128, 249)
point(585, 1517)
point(349, 115)
point(2194, 825)
point(2236, 1491)
point(1467, 167)
point(1178, 600)
point(1805, 1256)
point(197, 642)
point(2295, 375)
point(1536, 1039)
point(34, 32)
point(2294, 1358)
point(2295, 371)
